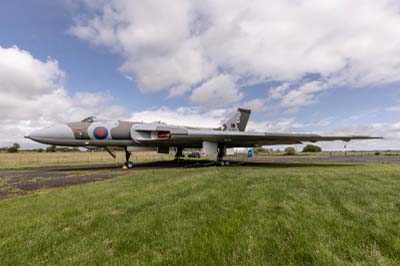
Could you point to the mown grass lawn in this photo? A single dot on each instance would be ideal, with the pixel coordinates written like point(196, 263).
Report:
point(28, 160)
point(268, 215)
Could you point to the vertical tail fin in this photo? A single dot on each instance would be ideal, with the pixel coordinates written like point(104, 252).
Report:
point(238, 121)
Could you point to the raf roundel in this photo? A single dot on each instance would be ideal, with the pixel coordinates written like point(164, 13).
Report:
point(100, 132)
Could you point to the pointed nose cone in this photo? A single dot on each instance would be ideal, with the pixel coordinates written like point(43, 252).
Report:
point(53, 134)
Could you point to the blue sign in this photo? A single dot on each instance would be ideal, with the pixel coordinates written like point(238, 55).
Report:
point(250, 153)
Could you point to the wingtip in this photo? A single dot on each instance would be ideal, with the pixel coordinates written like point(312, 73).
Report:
point(245, 110)
point(375, 138)
point(366, 137)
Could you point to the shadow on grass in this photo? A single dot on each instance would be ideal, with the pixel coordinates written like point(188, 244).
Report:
point(297, 165)
point(187, 164)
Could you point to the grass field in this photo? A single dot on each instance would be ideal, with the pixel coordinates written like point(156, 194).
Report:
point(27, 159)
point(299, 214)
point(35, 159)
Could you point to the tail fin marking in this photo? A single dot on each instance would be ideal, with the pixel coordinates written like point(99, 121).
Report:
point(238, 121)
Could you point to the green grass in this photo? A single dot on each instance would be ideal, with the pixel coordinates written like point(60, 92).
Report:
point(27, 160)
point(277, 215)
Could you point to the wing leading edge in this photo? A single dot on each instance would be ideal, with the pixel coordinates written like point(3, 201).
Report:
point(245, 139)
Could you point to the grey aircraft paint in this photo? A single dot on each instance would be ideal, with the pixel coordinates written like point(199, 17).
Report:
point(104, 133)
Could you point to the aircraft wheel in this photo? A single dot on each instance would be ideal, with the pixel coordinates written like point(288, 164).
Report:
point(226, 163)
point(222, 163)
point(129, 164)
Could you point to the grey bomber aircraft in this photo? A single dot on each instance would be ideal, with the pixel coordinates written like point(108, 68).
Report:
point(139, 136)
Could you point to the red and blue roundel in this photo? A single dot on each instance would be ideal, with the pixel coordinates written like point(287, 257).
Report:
point(100, 132)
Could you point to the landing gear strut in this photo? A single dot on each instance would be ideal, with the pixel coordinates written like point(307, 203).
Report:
point(179, 153)
point(220, 156)
point(112, 155)
point(221, 152)
point(128, 163)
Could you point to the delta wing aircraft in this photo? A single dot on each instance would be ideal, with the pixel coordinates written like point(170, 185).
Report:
point(139, 136)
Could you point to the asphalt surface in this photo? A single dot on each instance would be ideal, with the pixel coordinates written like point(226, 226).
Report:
point(366, 159)
point(20, 182)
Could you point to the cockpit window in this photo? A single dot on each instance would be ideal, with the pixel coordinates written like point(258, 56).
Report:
point(89, 119)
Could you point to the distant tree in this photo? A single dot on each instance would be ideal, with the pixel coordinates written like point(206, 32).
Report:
point(290, 151)
point(14, 148)
point(51, 148)
point(312, 148)
point(260, 150)
point(66, 149)
point(40, 150)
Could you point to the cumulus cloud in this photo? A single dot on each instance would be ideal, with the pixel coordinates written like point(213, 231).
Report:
point(155, 38)
point(39, 77)
point(90, 99)
point(218, 91)
point(176, 46)
point(26, 83)
point(190, 116)
point(32, 95)
point(255, 105)
point(277, 93)
point(282, 126)
point(293, 99)
point(211, 118)
point(393, 109)
point(389, 131)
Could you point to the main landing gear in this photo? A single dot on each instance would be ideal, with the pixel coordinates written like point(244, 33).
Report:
point(220, 155)
point(128, 163)
point(178, 154)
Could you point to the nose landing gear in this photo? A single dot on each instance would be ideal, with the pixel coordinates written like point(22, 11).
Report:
point(128, 164)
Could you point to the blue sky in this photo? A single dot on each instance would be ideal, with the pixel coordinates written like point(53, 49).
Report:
point(41, 27)
point(302, 67)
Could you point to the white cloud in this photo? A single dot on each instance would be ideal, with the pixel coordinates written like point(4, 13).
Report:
point(26, 83)
point(32, 96)
point(393, 109)
point(154, 37)
point(277, 93)
point(292, 98)
point(178, 45)
point(218, 91)
point(302, 96)
point(254, 105)
point(39, 77)
point(189, 116)
point(389, 131)
point(90, 99)
point(280, 125)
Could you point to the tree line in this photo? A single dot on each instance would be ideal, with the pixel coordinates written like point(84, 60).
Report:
point(16, 147)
